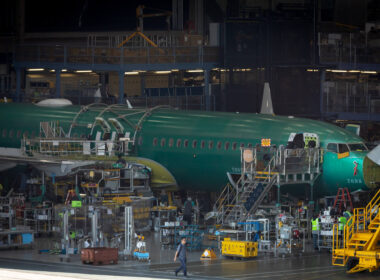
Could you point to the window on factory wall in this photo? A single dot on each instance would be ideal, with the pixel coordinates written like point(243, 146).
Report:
point(210, 144)
point(18, 135)
point(179, 143)
point(186, 143)
point(194, 144)
point(202, 144)
point(11, 133)
point(241, 145)
point(332, 147)
point(249, 145)
point(219, 145)
point(171, 142)
point(234, 145)
point(155, 141)
point(163, 142)
point(226, 145)
point(4, 132)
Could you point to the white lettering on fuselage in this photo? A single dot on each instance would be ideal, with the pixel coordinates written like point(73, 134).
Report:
point(354, 181)
point(236, 170)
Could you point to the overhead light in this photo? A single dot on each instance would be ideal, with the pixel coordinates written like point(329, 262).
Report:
point(195, 71)
point(353, 71)
point(35, 69)
point(368, 72)
point(175, 70)
point(64, 70)
point(141, 71)
point(339, 71)
point(162, 72)
point(132, 73)
point(52, 70)
point(83, 71)
point(312, 70)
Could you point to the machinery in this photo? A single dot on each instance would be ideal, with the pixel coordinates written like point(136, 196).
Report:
point(325, 234)
point(359, 248)
point(241, 249)
point(290, 239)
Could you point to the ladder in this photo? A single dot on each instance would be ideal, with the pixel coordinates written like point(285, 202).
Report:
point(359, 249)
point(343, 198)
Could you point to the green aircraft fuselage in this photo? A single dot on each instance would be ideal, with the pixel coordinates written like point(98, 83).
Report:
point(197, 148)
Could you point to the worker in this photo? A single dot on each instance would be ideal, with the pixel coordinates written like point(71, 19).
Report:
point(347, 214)
point(256, 237)
point(315, 231)
point(342, 222)
point(188, 210)
point(181, 255)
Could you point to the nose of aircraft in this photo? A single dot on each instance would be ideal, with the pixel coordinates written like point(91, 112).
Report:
point(371, 168)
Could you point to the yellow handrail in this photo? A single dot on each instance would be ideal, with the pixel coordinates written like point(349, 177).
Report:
point(372, 206)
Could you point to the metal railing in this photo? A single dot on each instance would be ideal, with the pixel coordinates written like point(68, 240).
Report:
point(67, 54)
point(56, 147)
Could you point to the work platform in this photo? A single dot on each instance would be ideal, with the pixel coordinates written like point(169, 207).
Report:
point(262, 168)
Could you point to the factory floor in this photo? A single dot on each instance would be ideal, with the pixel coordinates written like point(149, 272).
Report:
point(28, 264)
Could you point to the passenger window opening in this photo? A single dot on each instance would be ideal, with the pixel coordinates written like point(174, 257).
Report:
point(179, 143)
point(210, 144)
point(171, 142)
point(186, 143)
point(11, 132)
point(226, 146)
point(163, 142)
point(202, 144)
point(234, 145)
point(140, 141)
point(4, 132)
point(219, 145)
point(155, 141)
point(194, 144)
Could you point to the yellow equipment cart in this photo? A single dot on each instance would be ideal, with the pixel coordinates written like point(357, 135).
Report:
point(360, 248)
point(241, 249)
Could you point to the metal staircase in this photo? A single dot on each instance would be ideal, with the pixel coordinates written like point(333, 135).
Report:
point(235, 204)
point(360, 247)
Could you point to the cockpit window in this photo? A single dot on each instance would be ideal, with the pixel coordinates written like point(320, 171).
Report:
point(343, 148)
point(357, 147)
point(332, 147)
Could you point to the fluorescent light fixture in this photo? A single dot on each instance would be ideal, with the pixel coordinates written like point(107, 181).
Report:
point(175, 70)
point(312, 70)
point(353, 71)
point(195, 71)
point(83, 71)
point(132, 73)
point(52, 70)
point(64, 70)
point(368, 72)
point(162, 72)
point(339, 71)
point(35, 69)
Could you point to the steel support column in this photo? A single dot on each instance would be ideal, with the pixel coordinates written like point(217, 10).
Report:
point(18, 84)
point(321, 93)
point(121, 87)
point(278, 204)
point(207, 90)
point(57, 83)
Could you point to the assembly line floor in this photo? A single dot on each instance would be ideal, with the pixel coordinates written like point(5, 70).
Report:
point(28, 264)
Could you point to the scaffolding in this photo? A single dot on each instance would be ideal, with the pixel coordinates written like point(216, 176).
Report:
point(359, 249)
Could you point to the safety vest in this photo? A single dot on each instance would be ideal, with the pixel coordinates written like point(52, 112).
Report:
point(315, 224)
point(342, 223)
